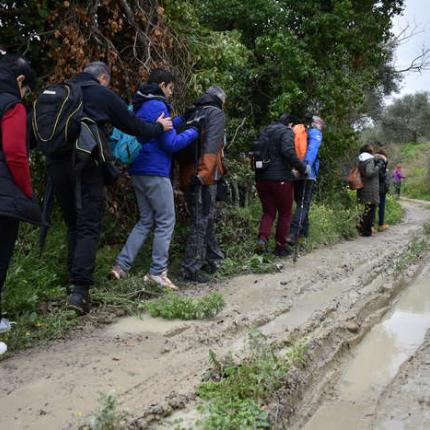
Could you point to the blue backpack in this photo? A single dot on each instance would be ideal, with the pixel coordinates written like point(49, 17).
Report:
point(125, 148)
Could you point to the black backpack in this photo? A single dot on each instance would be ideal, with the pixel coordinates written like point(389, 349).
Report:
point(56, 117)
point(260, 152)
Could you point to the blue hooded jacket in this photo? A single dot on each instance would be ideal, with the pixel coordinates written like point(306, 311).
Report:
point(315, 138)
point(155, 158)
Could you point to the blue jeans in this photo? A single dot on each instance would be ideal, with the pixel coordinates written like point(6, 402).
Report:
point(157, 213)
point(381, 208)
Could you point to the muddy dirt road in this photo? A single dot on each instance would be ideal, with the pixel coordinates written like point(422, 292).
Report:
point(332, 295)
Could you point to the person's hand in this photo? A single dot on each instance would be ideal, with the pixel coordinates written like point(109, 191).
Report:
point(196, 123)
point(166, 122)
point(296, 173)
point(307, 171)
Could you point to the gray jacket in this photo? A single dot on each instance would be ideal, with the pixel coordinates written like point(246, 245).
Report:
point(369, 171)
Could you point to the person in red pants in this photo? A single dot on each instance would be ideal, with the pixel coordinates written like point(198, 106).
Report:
point(274, 163)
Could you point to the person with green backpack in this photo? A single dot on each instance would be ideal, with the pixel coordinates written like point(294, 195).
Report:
point(74, 138)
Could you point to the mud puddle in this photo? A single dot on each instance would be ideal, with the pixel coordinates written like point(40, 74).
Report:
point(375, 362)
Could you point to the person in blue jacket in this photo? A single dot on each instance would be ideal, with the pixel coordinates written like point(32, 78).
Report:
point(151, 173)
point(303, 188)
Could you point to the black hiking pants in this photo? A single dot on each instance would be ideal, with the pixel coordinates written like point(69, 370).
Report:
point(8, 234)
point(83, 224)
point(367, 219)
point(300, 222)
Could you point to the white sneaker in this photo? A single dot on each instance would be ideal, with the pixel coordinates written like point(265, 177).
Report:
point(5, 325)
point(3, 348)
point(161, 280)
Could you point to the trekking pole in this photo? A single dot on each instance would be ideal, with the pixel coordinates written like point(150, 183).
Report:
point(302, 205)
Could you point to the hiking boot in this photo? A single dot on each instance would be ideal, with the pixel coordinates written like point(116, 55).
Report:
point(198, 276)
point(5, 325)
point(383, 227)
point(291, 240)
point(79, 300)
point(117, 273)
point(282, 251)
point(160, 280)
point(3, 348)
point(210, 267)
point(261, 246)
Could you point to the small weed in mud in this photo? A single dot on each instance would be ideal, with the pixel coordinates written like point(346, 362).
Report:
point(415, 251)
point(237, 392)
point(174, 306)
point(107, 417)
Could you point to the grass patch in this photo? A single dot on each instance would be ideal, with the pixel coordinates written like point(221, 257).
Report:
point(174, 306)
point(107, 417)
point(394, 211)
point(236, 393)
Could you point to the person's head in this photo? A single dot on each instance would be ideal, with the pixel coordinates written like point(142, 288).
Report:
point(217, 92)
point(382, 151)
point(317, 122)
point(19, 68)
point(100, 71)
point(367, 148)
point(164, 79)
point(398, 166)
point(289, 120)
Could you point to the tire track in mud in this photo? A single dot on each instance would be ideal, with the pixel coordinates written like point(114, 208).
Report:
point(154, 366)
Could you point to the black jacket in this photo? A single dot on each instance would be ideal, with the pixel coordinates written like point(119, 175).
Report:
point(282, 154)
point(106, 108)
point(13, 202)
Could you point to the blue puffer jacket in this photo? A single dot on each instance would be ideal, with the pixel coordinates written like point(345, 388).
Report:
point(155, 158)
point(315, 138)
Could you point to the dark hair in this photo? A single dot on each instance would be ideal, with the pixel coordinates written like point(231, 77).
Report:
point(17, 65)
point(287, 118)
point(157, 76)
point(367, 148)
point(382, 151)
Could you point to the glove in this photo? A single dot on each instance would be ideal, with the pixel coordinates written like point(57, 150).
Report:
point(195, 181)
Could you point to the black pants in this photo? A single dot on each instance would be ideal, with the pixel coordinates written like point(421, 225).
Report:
point(300, 222)
point(367, 219)
point(202, 246)
point(84, 224)
point(8, 234)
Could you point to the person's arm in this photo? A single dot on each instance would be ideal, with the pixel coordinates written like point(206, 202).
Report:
point(314, 143)
point(14, 145)
point(288, 150)
point(129, 123)
point(213, 142)
point(178, 121)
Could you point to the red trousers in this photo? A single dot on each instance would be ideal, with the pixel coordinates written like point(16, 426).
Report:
point(277, 199)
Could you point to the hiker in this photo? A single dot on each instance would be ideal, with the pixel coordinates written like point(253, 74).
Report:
point(275, 181)
point(200, 173)
point(84, 220)
point(398, 177)
point(381, 160)
point(16, 192)
point(304, 188)
point(369, 194)
point(151, 173)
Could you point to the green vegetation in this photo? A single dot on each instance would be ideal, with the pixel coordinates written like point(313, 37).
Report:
point(415, 158)
point(235, 393)
point(107, 417)
point(174, 306)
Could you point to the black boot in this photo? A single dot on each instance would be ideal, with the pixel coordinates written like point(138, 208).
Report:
point(282, 251)
point(79, 299)
point(198, 276)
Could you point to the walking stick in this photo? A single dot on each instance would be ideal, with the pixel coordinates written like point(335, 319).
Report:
point(302, 205)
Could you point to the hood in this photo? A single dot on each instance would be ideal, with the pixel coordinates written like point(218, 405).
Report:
point(364, 156)
point(148, 92)
point(8, 84)
point(208, 100)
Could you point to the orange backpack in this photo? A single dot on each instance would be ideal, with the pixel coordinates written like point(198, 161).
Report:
point(300, 140)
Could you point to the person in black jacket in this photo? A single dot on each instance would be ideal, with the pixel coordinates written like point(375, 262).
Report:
point(275, 184)
point(381, 160)
point(16, 193)
point(84, 224)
